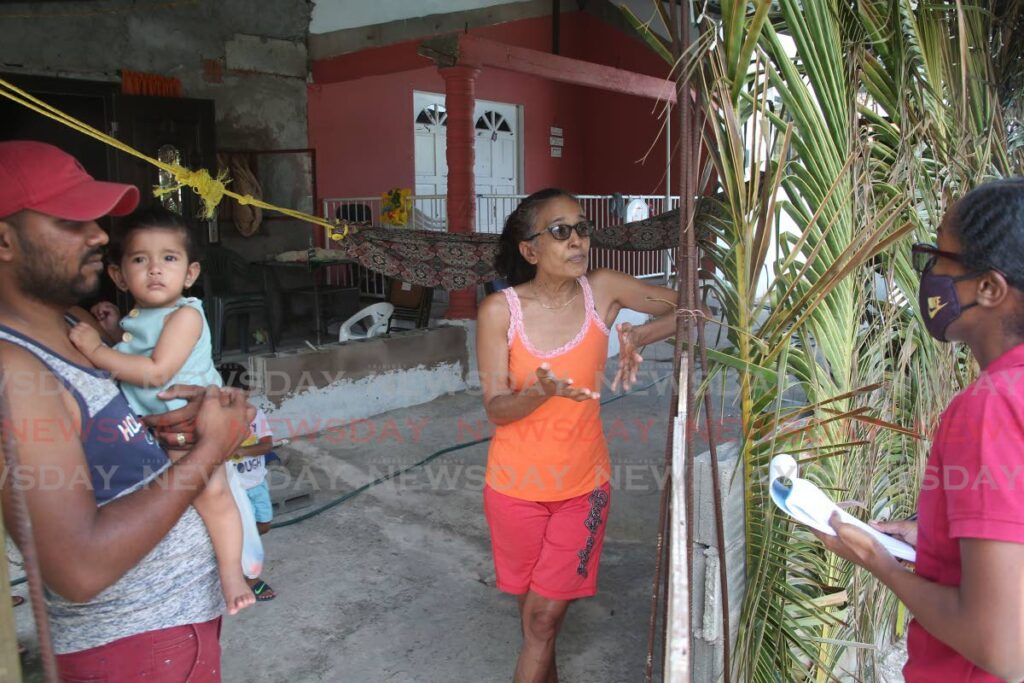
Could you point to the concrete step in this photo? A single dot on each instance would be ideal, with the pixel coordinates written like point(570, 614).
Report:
point(290, 494)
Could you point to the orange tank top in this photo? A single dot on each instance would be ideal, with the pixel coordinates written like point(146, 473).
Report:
point(558, 451)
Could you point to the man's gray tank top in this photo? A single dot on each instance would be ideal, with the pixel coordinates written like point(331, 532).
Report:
point(177, 582)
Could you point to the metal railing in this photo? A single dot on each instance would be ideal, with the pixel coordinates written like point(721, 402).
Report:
point(430, 212)
point(603, 209)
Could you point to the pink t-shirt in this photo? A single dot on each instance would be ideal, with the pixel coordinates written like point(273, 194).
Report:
point(973, 487)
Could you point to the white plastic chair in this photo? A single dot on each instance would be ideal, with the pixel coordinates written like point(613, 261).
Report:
point(376, 316)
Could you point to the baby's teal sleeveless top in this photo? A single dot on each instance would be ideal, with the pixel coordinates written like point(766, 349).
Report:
point(142, 328)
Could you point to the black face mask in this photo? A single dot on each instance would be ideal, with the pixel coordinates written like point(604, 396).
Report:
point(939, 302)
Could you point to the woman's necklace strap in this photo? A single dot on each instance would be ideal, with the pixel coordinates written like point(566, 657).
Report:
point(559, 306)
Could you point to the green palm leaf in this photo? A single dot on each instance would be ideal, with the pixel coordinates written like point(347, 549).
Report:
point(840, 132)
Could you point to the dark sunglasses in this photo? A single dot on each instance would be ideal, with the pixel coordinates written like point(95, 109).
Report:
point(563, 231)
point(924, 256)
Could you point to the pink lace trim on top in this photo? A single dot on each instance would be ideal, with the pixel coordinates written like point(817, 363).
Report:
point(516, 322)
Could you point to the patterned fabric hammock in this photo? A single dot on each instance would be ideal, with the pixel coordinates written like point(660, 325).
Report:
point(457, 261)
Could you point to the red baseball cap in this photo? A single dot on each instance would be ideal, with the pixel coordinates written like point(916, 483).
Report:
point(43, 178)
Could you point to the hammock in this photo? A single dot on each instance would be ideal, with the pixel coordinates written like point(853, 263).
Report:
point(457, 261)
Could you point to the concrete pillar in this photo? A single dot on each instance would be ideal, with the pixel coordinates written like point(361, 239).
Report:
point(459, 101)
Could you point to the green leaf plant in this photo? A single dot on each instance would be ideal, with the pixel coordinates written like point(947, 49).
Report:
point(836, 133)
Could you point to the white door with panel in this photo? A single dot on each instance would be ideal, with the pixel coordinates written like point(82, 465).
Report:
point(496, 150)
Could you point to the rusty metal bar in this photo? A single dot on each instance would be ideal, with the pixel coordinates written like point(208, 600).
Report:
point(21, 532)
point(10, 662)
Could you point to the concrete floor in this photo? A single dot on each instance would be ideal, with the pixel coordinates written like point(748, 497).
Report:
point(396, 584)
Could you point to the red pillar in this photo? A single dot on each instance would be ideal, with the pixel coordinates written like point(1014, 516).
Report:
point(459, 101)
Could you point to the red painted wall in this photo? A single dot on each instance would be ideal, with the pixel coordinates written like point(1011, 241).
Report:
point(360, 114)
point(625, 138)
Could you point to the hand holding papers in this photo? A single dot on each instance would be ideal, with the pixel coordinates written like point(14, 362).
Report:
point(807, 504)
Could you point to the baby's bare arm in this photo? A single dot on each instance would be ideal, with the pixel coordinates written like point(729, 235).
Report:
point(179, 336)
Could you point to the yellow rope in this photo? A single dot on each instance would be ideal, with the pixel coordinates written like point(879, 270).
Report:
point(210, 189)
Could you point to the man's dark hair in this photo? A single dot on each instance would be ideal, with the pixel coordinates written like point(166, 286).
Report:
point(509, 262)
point(154, 217)
point(12, 219)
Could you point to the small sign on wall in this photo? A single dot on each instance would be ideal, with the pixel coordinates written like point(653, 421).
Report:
point(557, 141)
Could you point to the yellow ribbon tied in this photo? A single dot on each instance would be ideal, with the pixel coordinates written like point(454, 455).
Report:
point(210, 190)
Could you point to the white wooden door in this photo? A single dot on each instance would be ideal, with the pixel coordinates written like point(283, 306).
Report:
point(495, 167)
point(496, 149)
point(429, 134)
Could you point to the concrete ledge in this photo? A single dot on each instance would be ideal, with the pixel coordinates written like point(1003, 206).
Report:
point(343, 41)
point(305, 391)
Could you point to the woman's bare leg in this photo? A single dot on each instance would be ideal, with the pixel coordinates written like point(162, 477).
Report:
point(541, 620)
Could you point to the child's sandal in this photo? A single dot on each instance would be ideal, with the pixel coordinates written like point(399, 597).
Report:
point(263, 591)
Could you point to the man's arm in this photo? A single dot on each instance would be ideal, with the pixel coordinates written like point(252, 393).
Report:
point(84, 549)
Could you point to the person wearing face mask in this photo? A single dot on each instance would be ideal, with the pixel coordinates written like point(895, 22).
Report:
point(541, 348)
point(967, 590)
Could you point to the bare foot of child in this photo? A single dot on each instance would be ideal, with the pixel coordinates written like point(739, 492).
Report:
point(237, 594)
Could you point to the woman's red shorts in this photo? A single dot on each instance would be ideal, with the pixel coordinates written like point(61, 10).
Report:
point(550, 548)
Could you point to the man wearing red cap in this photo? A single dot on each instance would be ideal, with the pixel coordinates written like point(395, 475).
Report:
point(132, 581)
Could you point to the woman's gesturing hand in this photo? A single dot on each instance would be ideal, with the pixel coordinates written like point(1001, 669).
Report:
point(553, 386)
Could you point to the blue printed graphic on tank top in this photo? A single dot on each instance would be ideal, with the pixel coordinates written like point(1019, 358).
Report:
point(120, 452)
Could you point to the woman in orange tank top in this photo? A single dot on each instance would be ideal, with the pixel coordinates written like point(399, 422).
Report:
point(541, 349)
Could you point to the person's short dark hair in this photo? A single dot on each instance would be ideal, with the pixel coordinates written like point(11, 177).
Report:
point(509, 262)
point(154, 217)
point(12, 219)
point(234, 375)
point(989, 224)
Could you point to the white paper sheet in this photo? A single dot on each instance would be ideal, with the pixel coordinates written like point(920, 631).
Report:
point(807, 504)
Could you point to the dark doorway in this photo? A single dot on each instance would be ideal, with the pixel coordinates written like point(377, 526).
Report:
point(161, 125)
point(145, 123)
point(90, 102)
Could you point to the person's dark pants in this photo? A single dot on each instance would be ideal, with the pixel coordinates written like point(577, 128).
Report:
point(180, 654)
